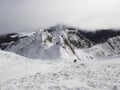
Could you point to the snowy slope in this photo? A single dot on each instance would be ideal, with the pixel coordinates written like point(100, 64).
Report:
point(19, 73)
point(13, 66)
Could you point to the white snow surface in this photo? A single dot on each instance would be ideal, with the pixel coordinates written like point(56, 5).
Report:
point(20, 73)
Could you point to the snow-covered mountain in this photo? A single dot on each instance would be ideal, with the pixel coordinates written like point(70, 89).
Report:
point(74, 61)
point(53, 43)
point(61, 41)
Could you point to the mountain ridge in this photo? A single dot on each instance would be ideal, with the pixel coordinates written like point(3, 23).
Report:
point(55, 41)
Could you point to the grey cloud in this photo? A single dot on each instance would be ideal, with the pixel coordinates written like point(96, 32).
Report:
point(25, 15)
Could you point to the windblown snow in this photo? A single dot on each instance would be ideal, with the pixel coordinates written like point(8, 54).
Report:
point(20, 73)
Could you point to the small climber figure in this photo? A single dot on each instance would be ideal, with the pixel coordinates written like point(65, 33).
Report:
point(75, 61)
point(115, 88)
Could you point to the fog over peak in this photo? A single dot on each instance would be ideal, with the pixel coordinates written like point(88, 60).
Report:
point(27, 15)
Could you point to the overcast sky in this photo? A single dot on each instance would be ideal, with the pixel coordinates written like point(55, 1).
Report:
point(26, 15)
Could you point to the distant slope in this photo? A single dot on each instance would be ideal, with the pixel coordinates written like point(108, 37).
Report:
point(110, 48)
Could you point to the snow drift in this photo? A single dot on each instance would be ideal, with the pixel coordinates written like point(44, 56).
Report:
point(20, 73)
